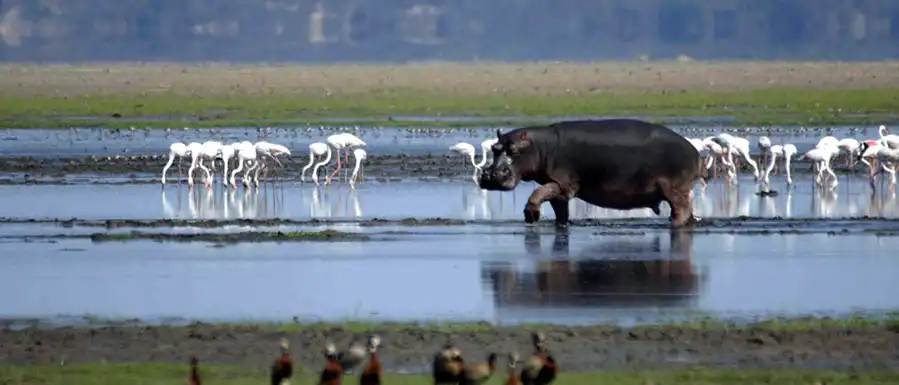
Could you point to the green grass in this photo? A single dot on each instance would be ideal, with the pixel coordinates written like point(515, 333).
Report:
point(888, 320)
point(105, 374)
point(766, 106)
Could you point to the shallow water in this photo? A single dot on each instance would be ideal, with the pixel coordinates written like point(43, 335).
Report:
point(379, 140)
point(455, 200)
point(576, 278)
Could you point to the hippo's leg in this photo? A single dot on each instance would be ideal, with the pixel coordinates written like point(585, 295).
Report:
point(548, 192)
point(680, 197)
point(560, 208)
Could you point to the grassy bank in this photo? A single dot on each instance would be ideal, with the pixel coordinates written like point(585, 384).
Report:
point(175, 95)
point(379, 107)
point(888, 320)
point(171, 374)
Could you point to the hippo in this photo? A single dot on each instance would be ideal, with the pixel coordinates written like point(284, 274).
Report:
point(613, 163)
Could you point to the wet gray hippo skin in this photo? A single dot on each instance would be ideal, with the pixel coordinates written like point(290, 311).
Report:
point(616, 163)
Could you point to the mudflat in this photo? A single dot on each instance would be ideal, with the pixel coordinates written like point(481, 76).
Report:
point(834, 346)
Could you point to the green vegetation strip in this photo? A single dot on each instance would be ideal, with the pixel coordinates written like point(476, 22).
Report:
point(247, 236)
point(149, 374)
point(765, 106)
point(888, 320)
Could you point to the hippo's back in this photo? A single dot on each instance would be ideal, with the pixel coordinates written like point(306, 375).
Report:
point(616, 149)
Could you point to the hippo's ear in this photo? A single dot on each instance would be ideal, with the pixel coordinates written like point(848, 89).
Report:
point(522, 141)
point(498, 134)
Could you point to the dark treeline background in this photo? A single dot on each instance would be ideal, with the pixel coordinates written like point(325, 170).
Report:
point(398, 30)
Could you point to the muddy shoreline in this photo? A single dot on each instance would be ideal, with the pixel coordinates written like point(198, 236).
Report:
point(576, 348)
point(137, 169)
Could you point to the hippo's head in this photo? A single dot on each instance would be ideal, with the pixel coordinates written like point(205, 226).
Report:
point(514, 155)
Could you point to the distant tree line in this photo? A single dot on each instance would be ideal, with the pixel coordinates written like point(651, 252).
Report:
point(398, 30)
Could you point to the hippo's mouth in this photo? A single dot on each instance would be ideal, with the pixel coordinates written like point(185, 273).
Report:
point(497, 185)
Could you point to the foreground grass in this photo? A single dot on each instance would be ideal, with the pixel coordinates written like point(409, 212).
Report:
point(172, 374)
point(211, 108)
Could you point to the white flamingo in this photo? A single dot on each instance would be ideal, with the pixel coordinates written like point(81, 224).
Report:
point(466, 149)
point(360, 156)
point(740, 146)
point(788, 151)
point(268, 150)
point(822, 156)
point(227, 153)
point(343, 141)
point(888, 159)
point(196, 150)
point(891, 141)
point(210, 150)
point(176, 150)
point(868, 155)
point(315, 149)
point(486, 148)
point(827, 141)
point(339, 142)
point(246, 153)
point(319, 164)
point(764, 145)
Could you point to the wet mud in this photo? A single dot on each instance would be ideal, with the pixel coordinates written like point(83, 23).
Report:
point(409, 350)
point(138, 168)
point(744, 225)
point(246, 236)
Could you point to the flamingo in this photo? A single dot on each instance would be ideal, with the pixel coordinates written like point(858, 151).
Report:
point(176, 150)
point(740, 146)
point(887, 158)
point(486, 149)
point(891, 141)
point(715, 152)
point(315, 149)
point(764, 145)
point(345, 141)
point(868, 150)
point(788, 151)
point(360, 155)
point(195, 150)
point(822, 156)
point(266, 149)
point(211, 150)
point(319, 164)
point(227, 152)
point(852, 147)
point(339, 142)
point(245, 153)
point(827, 141)
point(773, 152)
point(466, 149)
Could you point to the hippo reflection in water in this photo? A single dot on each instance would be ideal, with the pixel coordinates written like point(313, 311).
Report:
point(614, 273)
point(615, 163)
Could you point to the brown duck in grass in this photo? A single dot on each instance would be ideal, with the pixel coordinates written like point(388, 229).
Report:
point(512, 376)
point(448, 366)
point(282, 369)
point(372, 373)
point(332, 373)
point(352, 357)
point(540, 368)
point(194, 377)
point(479, 373)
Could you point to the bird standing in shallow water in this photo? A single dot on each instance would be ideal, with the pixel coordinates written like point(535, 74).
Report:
point(467, 150)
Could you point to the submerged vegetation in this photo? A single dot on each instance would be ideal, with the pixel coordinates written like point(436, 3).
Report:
point(388, 106)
